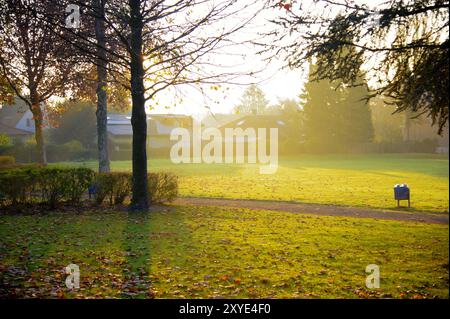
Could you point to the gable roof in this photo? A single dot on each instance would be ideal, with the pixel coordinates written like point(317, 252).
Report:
point(258, 121)
point(11, 114)
point(12, 131)
point(19, 116)
point(219, 120)
point(157, 124)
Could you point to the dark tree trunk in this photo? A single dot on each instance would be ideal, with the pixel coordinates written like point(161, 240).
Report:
point(38, 117)
point(38, 133)
point(139, 200)
point(102, 104)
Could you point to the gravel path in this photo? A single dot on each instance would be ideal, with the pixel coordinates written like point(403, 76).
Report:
point(315, 209)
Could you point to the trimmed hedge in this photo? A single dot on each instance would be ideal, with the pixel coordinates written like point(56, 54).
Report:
point(53, 185)
point(115, 186)
point(48, 185)
point(162, 187)
point(6, 161)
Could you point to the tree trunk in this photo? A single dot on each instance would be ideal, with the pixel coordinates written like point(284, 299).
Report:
point(102, 103)
point(38, 132)
point(139, 200)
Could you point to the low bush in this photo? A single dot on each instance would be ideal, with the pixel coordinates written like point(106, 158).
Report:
point(6, 161)
point(78, 181)
point(22, 152)
point(5, 140)
point(53, 185)
point(162, 187)
point(70, 151)
point(17, 185)
point(57, 184)
point(49, 185)
point(115, 186)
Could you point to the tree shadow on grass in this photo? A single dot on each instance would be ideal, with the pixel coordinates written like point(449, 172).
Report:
point(155, 249)
point(136, 280)
point(115, 252)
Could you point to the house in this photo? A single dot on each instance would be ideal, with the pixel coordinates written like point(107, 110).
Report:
point(265, 121)
point(220, 120)
point(288, 136)
point(159, 126)
point(14, 134)
point(16, 121)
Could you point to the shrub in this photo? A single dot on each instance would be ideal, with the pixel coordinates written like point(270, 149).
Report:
point(22, 152)
point(68, 184)
point(70, 151)
point(53, 185)
point(73, 146)
point(162, 187)
point(4, 140)
point(7, 161)
point(50, 185)
point(6, 149)
point(115, 186)
point(79, 180)
point(17, 185)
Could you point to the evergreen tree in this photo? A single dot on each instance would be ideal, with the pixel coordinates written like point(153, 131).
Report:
point(411, 68)
point(253, 101)
point(357, 119)
point(337, 116)
point(321, 100)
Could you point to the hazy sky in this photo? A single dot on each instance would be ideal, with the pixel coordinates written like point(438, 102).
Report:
point(275, 82)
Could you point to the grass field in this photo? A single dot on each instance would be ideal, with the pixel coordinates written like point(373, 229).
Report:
point(216, 252)
point(348, 180)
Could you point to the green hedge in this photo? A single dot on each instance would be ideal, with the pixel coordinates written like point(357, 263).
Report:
point(7, 161)
point(48, 185)
point(115, 187)
point(162, 187)
point(53, 185)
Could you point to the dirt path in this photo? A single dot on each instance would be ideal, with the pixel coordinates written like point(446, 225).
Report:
point(316, 209)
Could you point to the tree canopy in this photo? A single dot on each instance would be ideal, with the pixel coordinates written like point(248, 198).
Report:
point(36, 63)
point(402, 46)
point(253, 101)
point(336, 115)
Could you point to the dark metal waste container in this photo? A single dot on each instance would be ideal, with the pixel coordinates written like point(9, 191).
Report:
point(402, 192)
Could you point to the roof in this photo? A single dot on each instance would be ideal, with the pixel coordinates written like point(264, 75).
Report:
point(218, 120)
point(12, 131)
point(19, 116)
point(258, 121)
point(157, 124)
point(11, 114)
point(120, 129)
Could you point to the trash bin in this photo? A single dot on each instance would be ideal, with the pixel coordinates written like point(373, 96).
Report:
point(402, 192)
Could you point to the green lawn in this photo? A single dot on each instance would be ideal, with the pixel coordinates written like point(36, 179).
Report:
point(348, 180)
point(181, 252)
